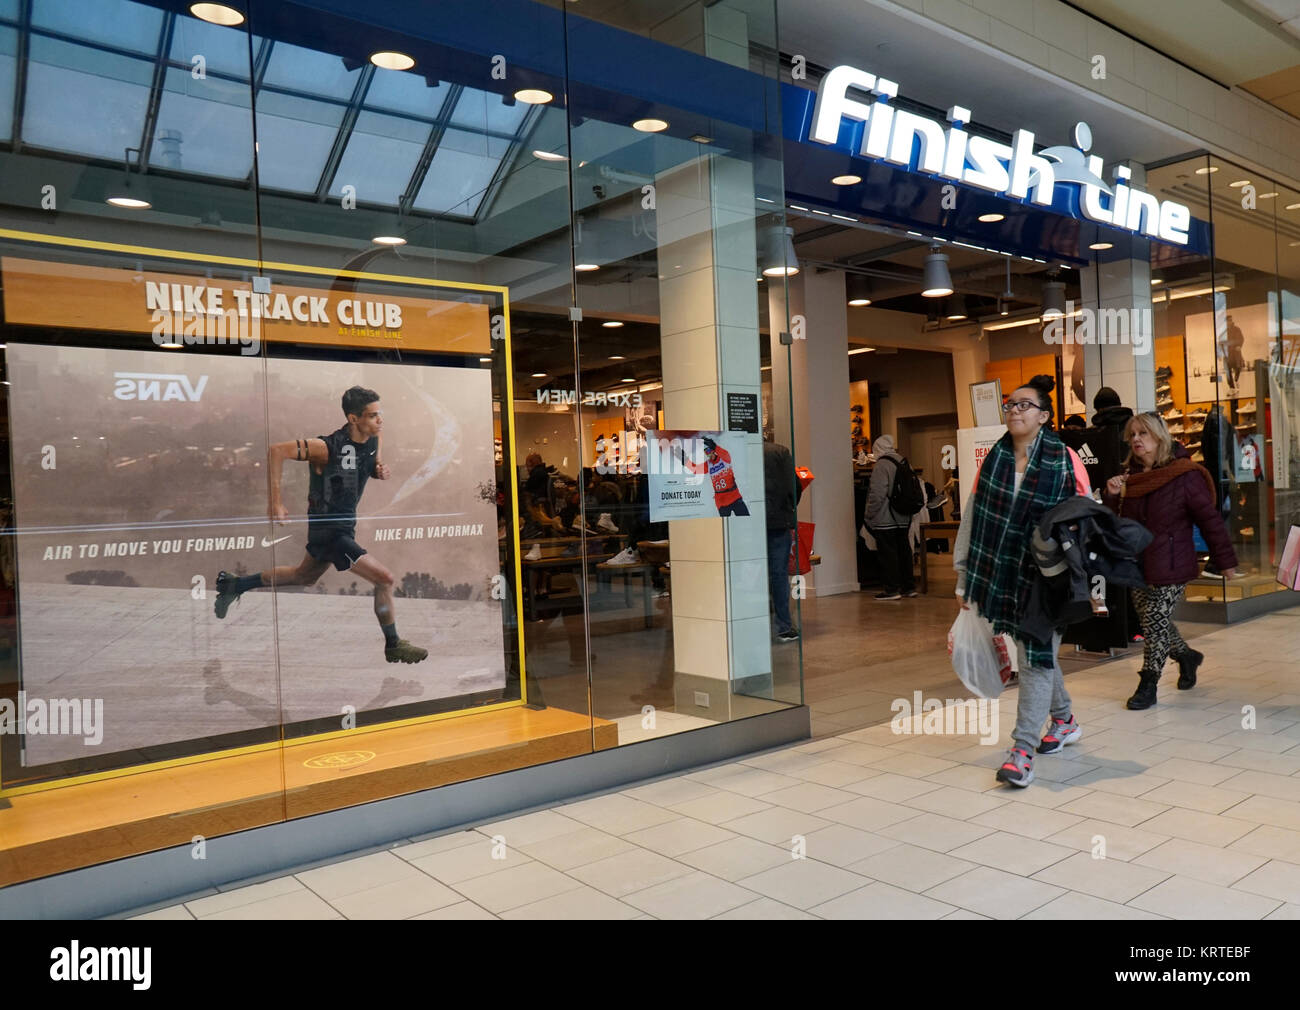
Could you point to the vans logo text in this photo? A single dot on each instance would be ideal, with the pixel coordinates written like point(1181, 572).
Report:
point(158, 386)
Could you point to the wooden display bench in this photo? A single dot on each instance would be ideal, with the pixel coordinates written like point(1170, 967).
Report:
point(1218, 590)
point(71, 826)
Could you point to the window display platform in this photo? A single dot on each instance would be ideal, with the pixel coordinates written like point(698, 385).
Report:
point(63, 828)
point(1240, 588)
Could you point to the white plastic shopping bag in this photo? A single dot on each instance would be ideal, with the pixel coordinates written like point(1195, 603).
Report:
point(980, 658)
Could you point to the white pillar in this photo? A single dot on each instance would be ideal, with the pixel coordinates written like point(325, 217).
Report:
point(1123, 283)
point(709, 347)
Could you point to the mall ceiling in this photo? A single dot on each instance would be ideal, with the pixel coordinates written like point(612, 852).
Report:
point(1224, 40)
point(1252, 44)
point(893, 260)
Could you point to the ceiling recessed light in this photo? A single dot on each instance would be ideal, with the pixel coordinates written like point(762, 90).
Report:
point(172, 346)
point(846, 180)
point(549, 156)
point(1207, 171)
point(1239, 183)
point(956, 317)
point(533, 96)
point(1293, 244)
point(587, 267)
point(616, 357)
point(1155, 281)
point(700, 138)
point(129, 202)
point(539, 375)
point(992, 218)
point(1267, 196)
point(859, 302)
point(627, 380)
point(217, 14)
point(1102, 245)
point(485, 360)
point(611, 324)
point(650, 125)
point(1293, 206)
point(388, 240)
point(388, 60)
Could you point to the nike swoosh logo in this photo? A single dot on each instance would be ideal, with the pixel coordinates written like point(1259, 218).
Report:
point(271, 543)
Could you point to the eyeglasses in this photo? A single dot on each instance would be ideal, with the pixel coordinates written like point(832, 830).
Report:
point(1020, 405)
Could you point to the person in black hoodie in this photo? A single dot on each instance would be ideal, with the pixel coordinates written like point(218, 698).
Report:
point(782, 490)
point(1101, 446)
point(1111, 417)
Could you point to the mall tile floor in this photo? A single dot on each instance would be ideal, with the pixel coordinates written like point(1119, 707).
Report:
point(1198, 815)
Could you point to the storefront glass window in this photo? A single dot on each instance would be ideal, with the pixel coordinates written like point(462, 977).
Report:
point(1222, 358)
point(307, 504)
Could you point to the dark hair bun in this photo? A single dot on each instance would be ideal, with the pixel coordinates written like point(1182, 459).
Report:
point(1043, 383)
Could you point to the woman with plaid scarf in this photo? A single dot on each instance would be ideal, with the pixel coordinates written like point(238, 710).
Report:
point(1026, 474)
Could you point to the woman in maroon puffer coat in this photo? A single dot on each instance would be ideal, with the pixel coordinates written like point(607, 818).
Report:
point(1167, 493)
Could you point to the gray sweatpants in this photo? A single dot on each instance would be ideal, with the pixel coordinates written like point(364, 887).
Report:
point(1042, 692)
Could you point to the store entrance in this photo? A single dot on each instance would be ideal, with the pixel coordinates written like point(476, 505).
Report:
point(910, 355)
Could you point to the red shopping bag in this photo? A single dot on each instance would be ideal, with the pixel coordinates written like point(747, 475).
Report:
point(805, 477)
point(801, 550)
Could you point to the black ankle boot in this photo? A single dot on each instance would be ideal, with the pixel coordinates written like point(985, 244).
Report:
point(1187, 665)
point(1145, 695)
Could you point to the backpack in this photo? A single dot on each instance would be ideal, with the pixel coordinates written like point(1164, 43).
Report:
point(905, 495)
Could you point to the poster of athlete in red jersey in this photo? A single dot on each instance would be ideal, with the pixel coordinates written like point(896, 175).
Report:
point(696, 474)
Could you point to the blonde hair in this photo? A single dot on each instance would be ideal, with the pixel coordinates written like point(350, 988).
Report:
point(1154, 425)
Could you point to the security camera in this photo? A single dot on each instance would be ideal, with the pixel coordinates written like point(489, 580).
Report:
point(598, 191)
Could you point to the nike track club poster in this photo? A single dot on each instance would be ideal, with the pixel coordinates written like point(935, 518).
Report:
point(139, 475)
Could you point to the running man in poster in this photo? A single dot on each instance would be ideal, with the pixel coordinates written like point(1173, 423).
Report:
point(341, 464)
point(717, 464)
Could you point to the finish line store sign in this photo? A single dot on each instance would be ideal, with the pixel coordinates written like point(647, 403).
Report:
point(881, 132)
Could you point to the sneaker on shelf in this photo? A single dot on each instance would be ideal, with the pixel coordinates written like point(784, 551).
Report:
point(1063, 732)
point(909, 594)
point(788, 636)
point(627, 556)
point(663, 594)
point(535, 554)
point(570, 551)
point(606, 523)
point(1017, 769)
point(577, 526)
point(888, 596)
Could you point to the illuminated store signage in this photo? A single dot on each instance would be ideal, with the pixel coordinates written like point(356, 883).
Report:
point(1011, 170)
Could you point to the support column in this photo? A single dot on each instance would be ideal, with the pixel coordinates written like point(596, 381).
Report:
point(709, 347)
point(818, 365)
point(1121, 282)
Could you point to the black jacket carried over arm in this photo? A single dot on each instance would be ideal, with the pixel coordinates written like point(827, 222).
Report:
point(1076, 541)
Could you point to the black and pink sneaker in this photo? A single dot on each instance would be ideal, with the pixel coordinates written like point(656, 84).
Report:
point(1063, 731)
point(1018, 769)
